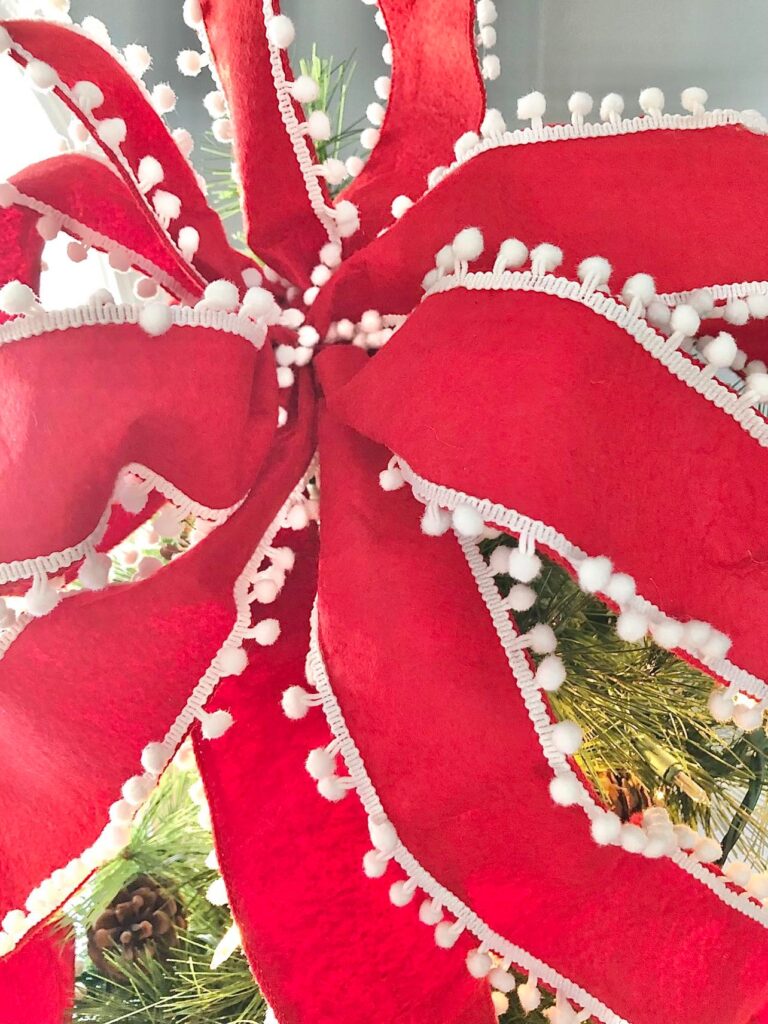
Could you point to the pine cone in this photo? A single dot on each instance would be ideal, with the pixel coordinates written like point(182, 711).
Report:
point(143, 919)
point(625, 793)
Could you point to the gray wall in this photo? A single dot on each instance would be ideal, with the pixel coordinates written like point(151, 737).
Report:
point(553, 45)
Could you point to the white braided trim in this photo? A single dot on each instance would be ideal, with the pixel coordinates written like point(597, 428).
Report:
point(549, 538)
point(117, 153)
point(148, 480)
point(53, 892)
point(590, 130)
point(32, 325)
point(318, 676)
point(737, 290)
point(677, 363)
point(98, 241)
point(559, 762)
point(295, 134)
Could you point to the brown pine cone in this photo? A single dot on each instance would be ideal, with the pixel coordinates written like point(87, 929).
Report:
point(625, 793)
point(143, 919)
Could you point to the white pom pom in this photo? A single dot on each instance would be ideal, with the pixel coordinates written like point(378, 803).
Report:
point(375, 114)
point(550, 673)
point(652, 101)
point(512, 253)
point(382, 86)
point(611, 107)
point(354, 165)
point(48, 227)
point(192, 13)
point(120, 260)
point(465, 143)
point(446, 935)
point(121, 812)
point(138, 59)
point(369, 138)
point(334, 171)
point(319, 126)
point(632, 626)
point(694, 99)
point(154, 757)
point(501, 980)
point(758, 886)
point(41, 75)
point(137, 789)
point(486, 12)
point(667, 633)
point(468, 244)
point(188, 242)
point(258, 303)
point(42, 597)
point(400, 894)
point(542, 639)
point(347, 218)
point(266, 632)
point(374, 865)
point(430, 913)
point(758, 383)
point(594, 271)
point(685, 837)
point(320, 764)
point(16, 298)
point(383, 836)
point(479, 964)
point(155, 318)
point(150, 173)
point(222, 294)
point(77, 252)
point(332, 788)
point(707, 850)
point(491, 67)
point(467, 521)
point(94, 572)
point(87, 95)
point(520, 598)
point(296, 702)
point(304, 89)
point(488, 36)
point(696, 633)
point(620, 588)
point(435, 521)
point(214, 725)
point(758, 306)
point(391, 479)
point(633, 839)
point(184, 141)
point(523, 566)
point(493, 124)
point(658, 314)
point(641, 287)
point(606, 829)
point(163, 98)
point(280, 31)
point(748, 717)
point(738, 872)
point(545, 258)
point(232, 661)
point(167, 205)
point(14, 923)
point(685, 320)
point(580, 104)
point(130, 494)
point(594, 574)
point(529, 996)
point(190, 62)
point(531, 107)
point(265, 590)
point(721, 351)
point(401, 205)
point(112, 131)
point(567, 737)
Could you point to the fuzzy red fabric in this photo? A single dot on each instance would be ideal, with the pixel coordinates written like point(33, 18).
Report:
point(20, 248)
point(436, 94)
point(70, 53)
point(676, 204)
point(432, 705)
point(58, 472)
point(652, 459)
point(98, 201)
point(280, 223)
point(293, 870)
point(37, 980)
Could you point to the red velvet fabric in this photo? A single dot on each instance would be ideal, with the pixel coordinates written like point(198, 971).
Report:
point(432, 706)
point(20, 248)
point(676, 204)
point(325, 943)
point(646, 478)
point(72, 54)
point(88, 192)
point(112, 671)
point(80, 404)
point(280, 223)
point(37, 980)
point(436, 94)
